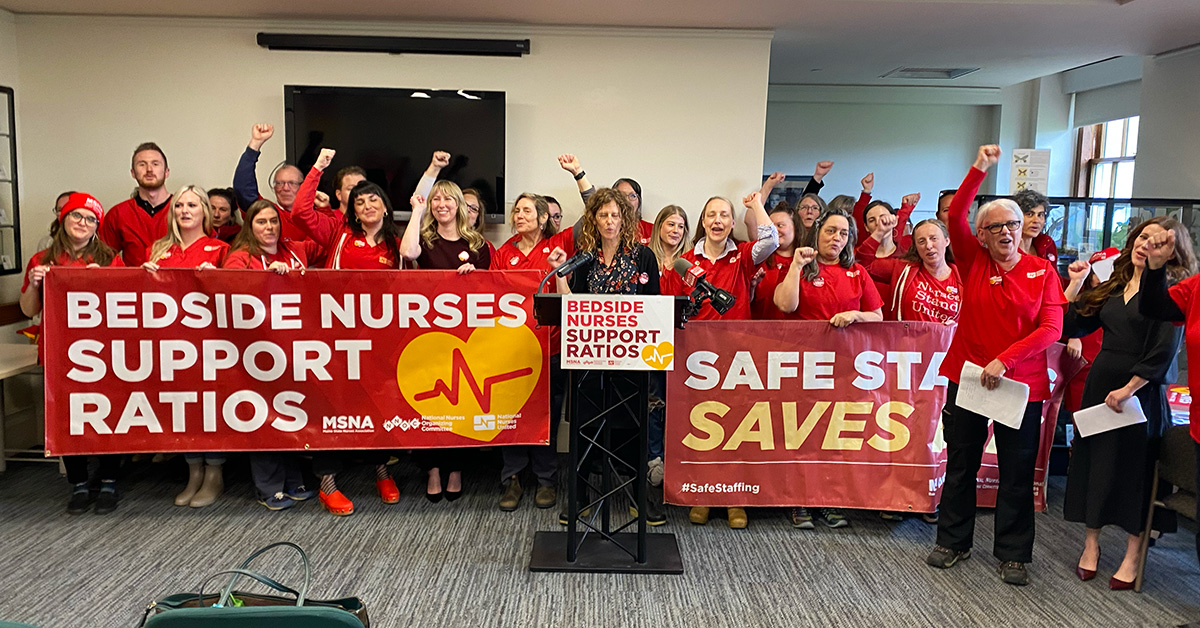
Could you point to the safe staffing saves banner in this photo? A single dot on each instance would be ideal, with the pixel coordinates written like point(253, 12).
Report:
point(216, 360)
point(802, 413)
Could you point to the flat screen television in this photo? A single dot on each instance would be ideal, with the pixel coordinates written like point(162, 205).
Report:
point(392, 134)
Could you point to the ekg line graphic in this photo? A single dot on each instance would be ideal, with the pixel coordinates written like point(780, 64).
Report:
point(459, 369)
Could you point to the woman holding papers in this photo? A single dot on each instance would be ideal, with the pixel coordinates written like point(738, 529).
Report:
point(1108, 481)
point(1012, 309)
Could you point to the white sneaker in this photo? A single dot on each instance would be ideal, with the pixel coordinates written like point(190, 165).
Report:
point(655, 471)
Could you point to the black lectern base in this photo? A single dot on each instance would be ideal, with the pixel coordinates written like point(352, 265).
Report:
point(598, 555)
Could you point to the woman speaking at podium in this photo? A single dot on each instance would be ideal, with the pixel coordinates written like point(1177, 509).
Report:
point(1012, 310)
point(609, 231)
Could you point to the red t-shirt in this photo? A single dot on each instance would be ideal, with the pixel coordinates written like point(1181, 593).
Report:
point(131, 230)
point(762, 306)
point(1011, 316)
point(922, 297)
point(340, 246)
point(206, 249)
point(836, 289)
point(646, 231)
point(732, 272)
point(295, 254)
point(1186, 295)
point(509, 257)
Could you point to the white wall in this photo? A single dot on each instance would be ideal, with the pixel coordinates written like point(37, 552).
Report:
point(910, 146)
point(1168, 160)
point(682, 111)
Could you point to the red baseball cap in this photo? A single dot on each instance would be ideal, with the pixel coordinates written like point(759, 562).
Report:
point(1100, 256)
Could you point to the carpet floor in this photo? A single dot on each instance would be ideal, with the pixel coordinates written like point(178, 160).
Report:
point(465, 564)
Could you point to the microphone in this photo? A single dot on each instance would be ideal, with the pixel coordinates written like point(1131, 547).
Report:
point(577, 260)
point(694, 277)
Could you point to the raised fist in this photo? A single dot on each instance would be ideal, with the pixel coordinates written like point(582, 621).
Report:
point(570, 163)
point(557, 258)
point(752, 200)
point(261, 132)
point(775, 178)
point(885, 224)
point(324, 158)
point(417, 202)
point(823, 168)
point(321, 201)
point(910, 200)
point(989, 155)
point(441, 159)
point(1078, 270)
point(868, 182)
point(804, 255)
point(1159, 248)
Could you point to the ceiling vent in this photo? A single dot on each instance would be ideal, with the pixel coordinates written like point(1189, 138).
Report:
point(929, 73)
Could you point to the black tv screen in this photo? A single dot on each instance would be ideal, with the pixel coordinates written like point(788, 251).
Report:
point(392, 134)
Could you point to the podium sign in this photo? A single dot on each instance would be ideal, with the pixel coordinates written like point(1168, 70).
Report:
point(618, 332)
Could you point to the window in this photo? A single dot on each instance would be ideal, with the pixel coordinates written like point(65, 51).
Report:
point(1107, 153)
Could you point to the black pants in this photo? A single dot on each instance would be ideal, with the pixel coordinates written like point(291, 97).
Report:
point(275, 471)
point(77, 468)
point(1198, 501)
point(332, 462)
point(965, 434)
point(543, 459)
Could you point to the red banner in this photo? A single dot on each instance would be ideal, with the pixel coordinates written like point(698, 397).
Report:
point(215, 360)
point(801, 413)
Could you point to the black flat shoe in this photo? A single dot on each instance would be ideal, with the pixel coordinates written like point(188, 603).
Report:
point(433, 497)
point(453, 495)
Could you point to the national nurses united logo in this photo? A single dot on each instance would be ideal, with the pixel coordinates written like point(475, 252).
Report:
point(455, 382)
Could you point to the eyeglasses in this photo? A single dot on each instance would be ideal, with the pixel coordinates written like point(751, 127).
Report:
point(632, 196)
point(82, 218)
point(999, 227)
point(474, 208)
point(288, 185)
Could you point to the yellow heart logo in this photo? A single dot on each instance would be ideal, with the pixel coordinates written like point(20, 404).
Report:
point(491, 374)
point(658, 356)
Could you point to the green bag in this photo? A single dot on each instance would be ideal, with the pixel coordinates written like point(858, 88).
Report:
point(234, 609)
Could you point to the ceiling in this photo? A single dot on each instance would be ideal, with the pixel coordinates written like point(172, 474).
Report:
point(847, 42)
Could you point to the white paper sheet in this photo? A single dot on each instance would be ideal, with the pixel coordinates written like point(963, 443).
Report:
point(1104, 269)
point(1004, 405)
point(1101, 418)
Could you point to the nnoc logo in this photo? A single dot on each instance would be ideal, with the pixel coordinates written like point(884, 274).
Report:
point(344, 424)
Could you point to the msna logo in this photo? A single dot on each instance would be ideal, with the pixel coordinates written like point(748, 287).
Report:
point(492, 372)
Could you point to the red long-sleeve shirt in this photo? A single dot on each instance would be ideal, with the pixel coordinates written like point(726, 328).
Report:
point(1011, 316)
point(131, 230)
point(341, 246)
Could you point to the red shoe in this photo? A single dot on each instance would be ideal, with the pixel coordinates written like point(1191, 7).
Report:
point(1117, 584)
point(336, 503)
point(388, 491)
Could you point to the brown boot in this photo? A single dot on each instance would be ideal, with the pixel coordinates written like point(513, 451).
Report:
point(195, 478)
point(737, 518)
point(546, 497)
point(698, 515)
point(214, 484)
point(512, 495)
